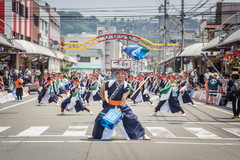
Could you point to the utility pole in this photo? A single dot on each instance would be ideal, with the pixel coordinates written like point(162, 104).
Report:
point(182, 33)
point(165, 30)
point(159, 25)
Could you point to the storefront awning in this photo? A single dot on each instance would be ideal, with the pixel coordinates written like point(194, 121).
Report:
point(225, 39)
point(4, 41)
point(35, 49)
point(87, 67)
point(234, 37)
point(213, 43)
point(194, 50)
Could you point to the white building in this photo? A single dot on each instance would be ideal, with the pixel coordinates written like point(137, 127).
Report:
point(43, 27)
point(109, 49)
point(89, 61)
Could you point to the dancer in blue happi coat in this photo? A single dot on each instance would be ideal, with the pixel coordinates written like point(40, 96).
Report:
point(141, 91)
point(44, 95)
point(169, 99)
point(74, 102)
point(92, 92)
point(130, 127)
point(184, 97)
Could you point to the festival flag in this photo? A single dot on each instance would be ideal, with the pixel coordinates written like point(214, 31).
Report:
point(136, 52)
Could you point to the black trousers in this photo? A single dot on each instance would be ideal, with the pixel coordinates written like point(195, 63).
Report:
point(235, 106)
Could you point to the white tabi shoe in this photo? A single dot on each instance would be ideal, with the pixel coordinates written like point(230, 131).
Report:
point(184, 115)
point(145, 137)
point(61, 114)
point(153, 114)
point(39, 104)
point(91, 113)
point(87, 104)
point(90, 137)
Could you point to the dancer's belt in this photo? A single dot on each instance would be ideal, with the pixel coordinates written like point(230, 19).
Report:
point(114, 103)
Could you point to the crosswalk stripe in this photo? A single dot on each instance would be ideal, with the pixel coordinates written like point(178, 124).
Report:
point(235, 131)
point(160, 132)
point(33, 131)
point(202, 133)
point(3, 128)
point(76, 131)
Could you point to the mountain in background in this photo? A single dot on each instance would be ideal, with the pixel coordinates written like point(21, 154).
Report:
point(76, 23)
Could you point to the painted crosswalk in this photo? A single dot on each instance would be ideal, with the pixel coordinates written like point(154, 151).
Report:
point(155, 132)
point(202, 133)
point(160, 132)
point(235, 131)
point(76, 131)
point(33, 131)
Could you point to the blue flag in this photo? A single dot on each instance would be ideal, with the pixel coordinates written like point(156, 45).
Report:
point(136, 52)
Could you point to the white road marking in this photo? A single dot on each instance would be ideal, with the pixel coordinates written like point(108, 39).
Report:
point(76, 131)
point(4, 128)
point(235, 131)
point(131, 142)
point(12, 106)
point(160, 132)
point(215, 108)
point(202, 133)
point(187, 122)
point(33, 131)
point(199, 143)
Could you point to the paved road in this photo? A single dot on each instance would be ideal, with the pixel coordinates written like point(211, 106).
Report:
point(30, 132)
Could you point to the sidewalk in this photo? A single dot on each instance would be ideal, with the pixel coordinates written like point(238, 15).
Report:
point(7, 97)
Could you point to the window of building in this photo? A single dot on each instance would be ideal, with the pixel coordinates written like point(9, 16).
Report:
point(14, 5)
point(20, 8)
point(46, 25)
point(84, 59)
point(100, 32)
point(27, 38)
point(26, 12)
point(17, 8)
point(43, 25)
point(97, 58)
point(17, 36)
point(21, 36)
point(36, 20)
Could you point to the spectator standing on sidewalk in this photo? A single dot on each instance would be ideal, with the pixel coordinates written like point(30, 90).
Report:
point(19, 87)
point(207, 75)
point(15, 77)
point(213, 85)
point(207, 91)
point(234, 86)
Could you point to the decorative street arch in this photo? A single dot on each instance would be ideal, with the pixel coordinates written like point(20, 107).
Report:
point(121, 36)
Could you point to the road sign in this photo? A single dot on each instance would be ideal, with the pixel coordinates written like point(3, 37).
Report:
point(55, 42)
point(121, 64)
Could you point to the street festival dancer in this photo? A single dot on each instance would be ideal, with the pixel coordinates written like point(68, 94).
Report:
point(44, 96)
point(130, 127)
point(92, 90)
point(184, 97)
point(169, 99)
point(74, 101)
point(141, 91)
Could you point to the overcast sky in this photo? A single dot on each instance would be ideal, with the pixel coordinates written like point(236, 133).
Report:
point(79, 4)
